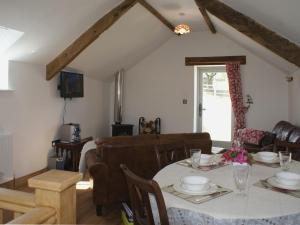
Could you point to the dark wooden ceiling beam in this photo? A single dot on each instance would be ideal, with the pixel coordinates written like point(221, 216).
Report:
point(255, 31)
point(206, 17)
point(81, 43)
point(156, 14)
point(214, 60)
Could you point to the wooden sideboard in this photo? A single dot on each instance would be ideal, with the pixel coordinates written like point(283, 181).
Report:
point(72, 151)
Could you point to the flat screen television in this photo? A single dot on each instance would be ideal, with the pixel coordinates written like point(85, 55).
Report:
point(71, 85)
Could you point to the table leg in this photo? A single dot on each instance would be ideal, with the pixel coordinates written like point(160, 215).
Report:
point(73, 158)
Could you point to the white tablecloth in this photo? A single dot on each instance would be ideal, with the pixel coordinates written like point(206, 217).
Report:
point(260, 206)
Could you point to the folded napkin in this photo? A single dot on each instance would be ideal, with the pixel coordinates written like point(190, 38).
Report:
point(197, 199)
point(264, 184)
point(202, 168)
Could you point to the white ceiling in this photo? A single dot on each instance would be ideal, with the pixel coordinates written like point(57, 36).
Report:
point(49, 26)
point(281, 16)
point(124, 44)
point(181, 11)
point(253, 46)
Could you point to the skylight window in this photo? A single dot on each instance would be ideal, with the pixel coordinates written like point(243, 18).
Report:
point(3, 74)
point(8, 38)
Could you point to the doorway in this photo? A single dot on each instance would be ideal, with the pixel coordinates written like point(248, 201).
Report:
point(212, 104)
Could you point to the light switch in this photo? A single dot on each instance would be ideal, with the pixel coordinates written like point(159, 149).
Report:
point(184, 101)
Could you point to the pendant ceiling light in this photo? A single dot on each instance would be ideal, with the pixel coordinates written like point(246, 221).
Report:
point(182, 29)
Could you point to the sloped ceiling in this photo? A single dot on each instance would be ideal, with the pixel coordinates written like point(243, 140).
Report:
point(129, 40)
point(254, 47)
point(49, 26)
point(281, 16)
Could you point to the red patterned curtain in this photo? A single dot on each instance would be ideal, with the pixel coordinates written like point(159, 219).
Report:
point(236, 95)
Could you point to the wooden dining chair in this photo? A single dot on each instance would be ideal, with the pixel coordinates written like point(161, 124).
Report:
point(139, 190)
point(169, 153)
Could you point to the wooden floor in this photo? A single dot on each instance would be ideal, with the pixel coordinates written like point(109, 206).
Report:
point(86, 212)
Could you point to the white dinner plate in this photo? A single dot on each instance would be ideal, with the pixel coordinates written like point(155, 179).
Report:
point(273, 181)
point(209, 164)
point(258, 159)
point(212, 189)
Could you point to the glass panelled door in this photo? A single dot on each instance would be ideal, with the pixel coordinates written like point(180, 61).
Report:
point(213, 113)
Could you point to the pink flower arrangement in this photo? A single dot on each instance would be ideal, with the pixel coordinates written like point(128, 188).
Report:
point(238, 155)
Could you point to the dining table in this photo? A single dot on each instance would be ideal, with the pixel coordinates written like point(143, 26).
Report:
point(259, 205)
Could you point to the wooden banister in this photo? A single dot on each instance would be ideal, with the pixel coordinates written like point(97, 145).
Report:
point(57, 189)
point(54, 200)
point(16, 201)
point(17, 197)
point(41, 215)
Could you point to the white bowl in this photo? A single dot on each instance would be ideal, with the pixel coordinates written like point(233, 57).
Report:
point(205, 158)
point(267, 156)
point(288, 178)
point(195, 183)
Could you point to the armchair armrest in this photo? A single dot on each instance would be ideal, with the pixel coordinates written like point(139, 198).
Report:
point(268, 139)
point(289, 145)
point(269, 147)
point(99, 172)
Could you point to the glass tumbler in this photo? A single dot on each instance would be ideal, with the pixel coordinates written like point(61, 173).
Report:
point(195, 157)
point(241, 175)
point(285, 158)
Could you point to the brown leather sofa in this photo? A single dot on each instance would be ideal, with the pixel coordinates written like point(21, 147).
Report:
point(292, 144)
point(283, 135)
point(138, 153)
point(280, 132)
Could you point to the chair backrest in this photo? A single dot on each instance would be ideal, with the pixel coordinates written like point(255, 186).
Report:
point(139, 190)
point(168, 153)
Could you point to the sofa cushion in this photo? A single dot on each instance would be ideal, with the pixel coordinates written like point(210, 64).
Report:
point(250, 136)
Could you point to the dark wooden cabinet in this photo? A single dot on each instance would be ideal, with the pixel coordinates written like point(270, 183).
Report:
point(72, 150)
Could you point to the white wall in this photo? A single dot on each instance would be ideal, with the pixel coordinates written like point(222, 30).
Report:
point(33, 114)
point(294, 95)
point(156, 86)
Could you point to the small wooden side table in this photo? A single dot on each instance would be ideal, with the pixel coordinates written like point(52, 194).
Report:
point(72, 150)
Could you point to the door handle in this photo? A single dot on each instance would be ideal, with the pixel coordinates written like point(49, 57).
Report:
point(201, 109)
